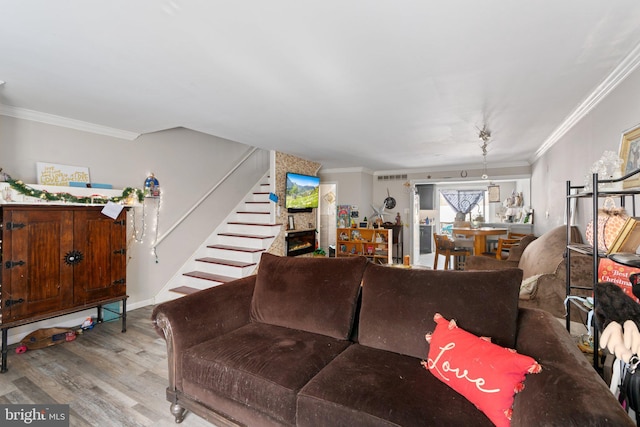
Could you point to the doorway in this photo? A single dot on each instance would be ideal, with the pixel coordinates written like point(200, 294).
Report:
point(327, 217)
point(440, 217)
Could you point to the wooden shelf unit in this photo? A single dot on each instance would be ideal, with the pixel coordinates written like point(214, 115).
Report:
point(373, 243)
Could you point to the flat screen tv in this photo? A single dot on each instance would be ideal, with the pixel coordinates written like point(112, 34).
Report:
point(301, 193)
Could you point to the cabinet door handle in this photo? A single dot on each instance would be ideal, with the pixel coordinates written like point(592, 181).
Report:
point(119, 251)
point(119, 281)
point(11, 302)
point(11, 264)
point(14, 225)
point(73, 257)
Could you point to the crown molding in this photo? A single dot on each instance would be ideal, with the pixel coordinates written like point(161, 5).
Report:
point(346, 170)
point(50, 119)
point(618, 75)
point(453, 168)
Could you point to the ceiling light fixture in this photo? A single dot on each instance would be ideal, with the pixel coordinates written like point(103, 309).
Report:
point(485, 136)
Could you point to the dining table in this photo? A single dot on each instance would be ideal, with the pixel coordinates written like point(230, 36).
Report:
point(479, 236)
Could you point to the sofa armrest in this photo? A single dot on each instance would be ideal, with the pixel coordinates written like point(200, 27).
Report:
point(199, 317)
point(568, 391)
point(478, 262)
point(551, 288)
point(549, 295)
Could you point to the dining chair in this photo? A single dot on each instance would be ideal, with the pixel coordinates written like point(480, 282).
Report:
point(447, 248)
point(504, 245)
point(492, 243)
point(460, 240)
point(517, 235)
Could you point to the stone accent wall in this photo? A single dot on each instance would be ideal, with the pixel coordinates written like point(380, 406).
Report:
point(304, 220)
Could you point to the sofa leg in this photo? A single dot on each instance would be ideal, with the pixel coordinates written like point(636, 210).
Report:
point(178, 412)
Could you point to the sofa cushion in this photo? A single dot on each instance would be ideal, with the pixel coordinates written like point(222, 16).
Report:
point(487, 374)
point(398, 305)
point(529, 286)
point(316, 295)
point(262, 366)
point(369, 387)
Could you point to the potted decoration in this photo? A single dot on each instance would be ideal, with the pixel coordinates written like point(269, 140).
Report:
point(319, 253)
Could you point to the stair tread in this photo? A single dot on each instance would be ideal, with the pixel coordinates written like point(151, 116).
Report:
point(226, 262)
point(255, 213)
point(253, 223)
point(186, 290)
point(235, 248)
point(209, 276)
point(248, 236)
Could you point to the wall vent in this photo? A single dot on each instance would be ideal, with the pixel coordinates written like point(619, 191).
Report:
point(391, 177)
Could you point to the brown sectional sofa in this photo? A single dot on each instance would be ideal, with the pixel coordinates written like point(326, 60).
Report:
point(338, 342)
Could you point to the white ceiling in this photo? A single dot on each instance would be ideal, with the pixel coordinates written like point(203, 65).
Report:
point(379, 84)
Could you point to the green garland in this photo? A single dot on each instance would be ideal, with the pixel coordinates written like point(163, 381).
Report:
point(24, 189)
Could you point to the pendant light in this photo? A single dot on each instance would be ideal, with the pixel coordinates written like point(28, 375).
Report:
point(485, 136)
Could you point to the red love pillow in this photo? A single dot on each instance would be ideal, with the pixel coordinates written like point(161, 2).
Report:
point(486, 374)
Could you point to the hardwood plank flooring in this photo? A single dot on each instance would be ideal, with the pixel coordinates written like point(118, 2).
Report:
point(108, 378)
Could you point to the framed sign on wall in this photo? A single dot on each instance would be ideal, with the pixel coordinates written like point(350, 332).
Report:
point(494, 193)
point(630, 154)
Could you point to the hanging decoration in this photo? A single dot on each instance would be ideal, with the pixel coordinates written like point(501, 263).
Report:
point(26, 190)
point(135, 235)
point(4, 176)
point(389, 202)
point(150, 204)
point(410, 189)
point(155, 241)
point(151, 186)
point(485, 136)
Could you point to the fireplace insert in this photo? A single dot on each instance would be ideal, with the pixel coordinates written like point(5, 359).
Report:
point(300, 242)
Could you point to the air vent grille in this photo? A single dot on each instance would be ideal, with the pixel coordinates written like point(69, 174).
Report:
point(391, 177)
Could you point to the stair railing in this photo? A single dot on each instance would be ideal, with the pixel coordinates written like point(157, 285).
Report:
point(203, 198)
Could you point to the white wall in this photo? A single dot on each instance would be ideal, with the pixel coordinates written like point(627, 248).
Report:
point(572, 156)
point(353, 188)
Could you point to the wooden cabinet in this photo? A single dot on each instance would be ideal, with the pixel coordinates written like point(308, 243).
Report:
point(374, 243)
point(35, 278)
point(57, 260)
point(102, 272)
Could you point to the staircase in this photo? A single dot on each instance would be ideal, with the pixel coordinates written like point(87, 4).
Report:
point(234, 250)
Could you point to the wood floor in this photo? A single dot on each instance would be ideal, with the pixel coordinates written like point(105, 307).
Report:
point(108, 378)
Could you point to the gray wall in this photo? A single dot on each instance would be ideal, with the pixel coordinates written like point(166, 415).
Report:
point(574, 154)
point(354, 187)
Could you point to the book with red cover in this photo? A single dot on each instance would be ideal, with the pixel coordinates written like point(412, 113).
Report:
point(611, 271)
